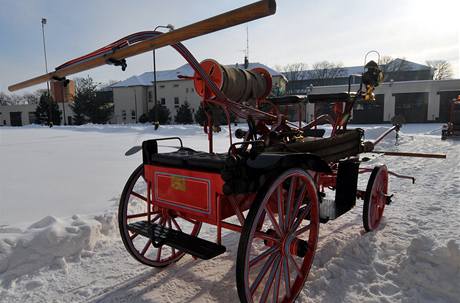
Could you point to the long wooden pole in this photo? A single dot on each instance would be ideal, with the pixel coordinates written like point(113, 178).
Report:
point(231, 18)
point(406, 154)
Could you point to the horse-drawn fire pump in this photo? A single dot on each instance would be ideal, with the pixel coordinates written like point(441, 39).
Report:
point(275, 185)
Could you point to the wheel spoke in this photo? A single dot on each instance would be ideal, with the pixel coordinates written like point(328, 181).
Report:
point(302, 230)
point(277, 282)
point(267, 237)
point(168, 223)
point(271, 277)
point(262, 273)
point(159, 253)
point(136, 215)
point(302, 215)
point(262, 256)
point(298, 203)
point(273, 220)
point(287, 278)
point(133, 236)
point(155, 218)
point(189, 220)
point(175, 224)
point(280, 208)
point(291, 196)
point(147, 245)
point(138, 196)
point(296, 267)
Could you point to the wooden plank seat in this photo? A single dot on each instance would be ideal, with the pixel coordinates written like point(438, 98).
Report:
point(188, 158)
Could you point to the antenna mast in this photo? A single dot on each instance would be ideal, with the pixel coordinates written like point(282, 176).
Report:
point(246, 52)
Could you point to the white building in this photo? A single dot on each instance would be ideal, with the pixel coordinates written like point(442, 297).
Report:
point(416, 101)
point(23, 114)
point(134, 96)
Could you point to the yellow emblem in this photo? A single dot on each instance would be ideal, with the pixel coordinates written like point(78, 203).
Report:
point(178, 183)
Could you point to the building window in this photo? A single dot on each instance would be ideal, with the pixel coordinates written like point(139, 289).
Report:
point(150, 97)
point(162, 86)
point(123, 114)
point(163, 101)
point(176, 85)
point(176, 100)
point(133, 115)
point(186, 90)
point(192, 90)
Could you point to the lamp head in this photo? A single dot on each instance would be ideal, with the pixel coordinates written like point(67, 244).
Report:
point(372, 74)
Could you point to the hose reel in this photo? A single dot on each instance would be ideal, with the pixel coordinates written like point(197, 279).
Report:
point(237, 84)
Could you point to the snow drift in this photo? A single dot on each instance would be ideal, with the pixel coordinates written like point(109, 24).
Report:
point(50, 242)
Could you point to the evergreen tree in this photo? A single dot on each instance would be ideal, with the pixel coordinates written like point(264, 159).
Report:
point(88, 105)
point(200, 115)
point(184, 114)
point(47, 106)
point(164, 115)
point(101, 110)
point(79, 108)
point(219, 116)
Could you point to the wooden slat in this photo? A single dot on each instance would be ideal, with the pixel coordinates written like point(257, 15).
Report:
point(235, 17)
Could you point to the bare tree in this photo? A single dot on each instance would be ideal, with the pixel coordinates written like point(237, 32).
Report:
point(442, 69)
point(4, 99)
point(324, 71)
point(16, 99)
point(294, 71)
point(27, 98)
point(384, 60)
point(32, 98)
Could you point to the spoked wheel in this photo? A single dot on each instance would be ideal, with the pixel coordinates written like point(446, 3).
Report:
point(278, 240)
point(134, 207)
point(375, 198)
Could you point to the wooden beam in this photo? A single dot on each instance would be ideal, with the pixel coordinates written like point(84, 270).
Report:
point(406, 154)
point(231, 18)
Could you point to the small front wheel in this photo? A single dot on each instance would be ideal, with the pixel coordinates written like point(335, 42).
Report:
point(134, 206)
point(375, 198)
point(278, 240)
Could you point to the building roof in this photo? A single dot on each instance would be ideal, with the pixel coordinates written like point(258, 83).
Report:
point(146, 78)
point(393, 65)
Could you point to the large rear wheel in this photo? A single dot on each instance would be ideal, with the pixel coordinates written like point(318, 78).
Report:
point(134, 207)
point(278, 240)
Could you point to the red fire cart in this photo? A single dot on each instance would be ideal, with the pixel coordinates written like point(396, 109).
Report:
point(275, 186)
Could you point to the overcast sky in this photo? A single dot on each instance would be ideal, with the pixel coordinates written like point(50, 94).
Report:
point(300, 31)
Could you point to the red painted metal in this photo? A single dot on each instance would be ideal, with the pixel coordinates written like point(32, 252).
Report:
point(216, 74)
point(193, 193)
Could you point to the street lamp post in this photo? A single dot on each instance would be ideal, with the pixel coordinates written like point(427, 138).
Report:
point(64, 85)
point(50, 113)
point(156, 122)
point(135, 103)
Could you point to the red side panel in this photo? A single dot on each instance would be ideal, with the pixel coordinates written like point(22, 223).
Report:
point(187, 191)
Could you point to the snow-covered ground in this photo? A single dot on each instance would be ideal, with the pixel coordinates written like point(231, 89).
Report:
point(59, 241)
